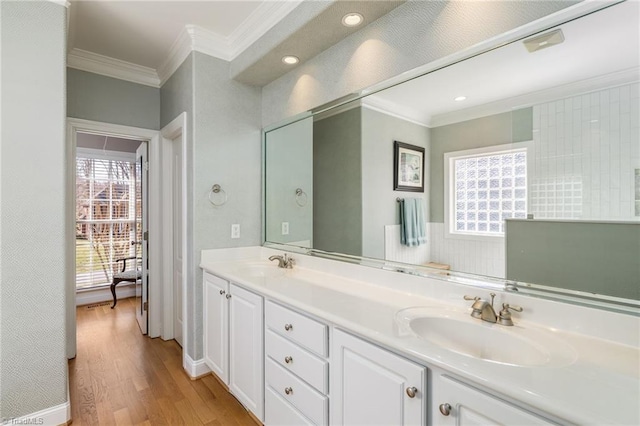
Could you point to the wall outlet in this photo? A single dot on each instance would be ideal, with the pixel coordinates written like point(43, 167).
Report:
point(235, 230)
point(285, 228)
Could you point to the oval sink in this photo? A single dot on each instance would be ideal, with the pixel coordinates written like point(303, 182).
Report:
point(261, 270)
point(458, 332)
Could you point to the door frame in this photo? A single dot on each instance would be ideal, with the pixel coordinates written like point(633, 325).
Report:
point(176, 128)
point(152, 137)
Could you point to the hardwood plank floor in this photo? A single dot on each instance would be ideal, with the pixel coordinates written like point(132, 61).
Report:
point(120, 377)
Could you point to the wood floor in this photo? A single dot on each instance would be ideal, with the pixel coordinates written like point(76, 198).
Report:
point(121, 377)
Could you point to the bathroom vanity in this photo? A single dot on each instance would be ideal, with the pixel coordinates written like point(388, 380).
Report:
point(329, 342)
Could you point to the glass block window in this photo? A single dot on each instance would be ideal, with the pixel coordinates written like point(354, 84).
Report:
point(487, 189)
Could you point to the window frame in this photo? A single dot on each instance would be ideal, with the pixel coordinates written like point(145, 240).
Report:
point(449, 184)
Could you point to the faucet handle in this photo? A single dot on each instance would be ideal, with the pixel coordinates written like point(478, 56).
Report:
point(507, 307)
point(474, 298)
point(505, 315)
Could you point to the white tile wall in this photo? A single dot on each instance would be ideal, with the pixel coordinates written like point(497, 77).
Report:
point(586, 149)
point(483, 256)
point(472, 256)
point(396, 252)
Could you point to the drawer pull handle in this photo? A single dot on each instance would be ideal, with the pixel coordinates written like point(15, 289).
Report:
point(412, 391)
point(288, 327)
point(288, 360)
point(288, 391)
point(228, 296)
point(222, 292)
point(445, 409)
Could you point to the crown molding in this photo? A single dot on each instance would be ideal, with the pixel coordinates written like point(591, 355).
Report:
point(64, 3)
point(111, 67)
point(261, 20)
point(395, 110)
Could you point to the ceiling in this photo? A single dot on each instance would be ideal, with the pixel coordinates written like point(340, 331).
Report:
point(142, 32)
point(146, 40)
point(602, 45)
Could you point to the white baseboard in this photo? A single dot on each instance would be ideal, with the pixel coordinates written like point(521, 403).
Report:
point(103, 294)
point(193, 368)
point(58, 415)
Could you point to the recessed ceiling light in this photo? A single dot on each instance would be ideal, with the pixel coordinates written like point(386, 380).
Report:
point(352, 19)
point(290, 60)
point(460, 98)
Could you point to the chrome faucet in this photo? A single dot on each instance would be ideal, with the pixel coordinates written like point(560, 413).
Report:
point(283, 261)
point(483, 310)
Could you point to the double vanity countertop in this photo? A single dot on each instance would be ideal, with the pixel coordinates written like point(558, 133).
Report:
point(586, 378)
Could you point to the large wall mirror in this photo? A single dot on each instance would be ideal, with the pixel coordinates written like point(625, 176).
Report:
point(531, 166)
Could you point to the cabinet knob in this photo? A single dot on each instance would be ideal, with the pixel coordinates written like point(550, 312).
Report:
point(228, 296)
point(222, 292)
point(288, 327)
point(288, 391)
point(412, 391)
point(288, 360)
point(445, 409)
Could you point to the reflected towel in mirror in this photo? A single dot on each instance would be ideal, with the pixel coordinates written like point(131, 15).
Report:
point(412, 222)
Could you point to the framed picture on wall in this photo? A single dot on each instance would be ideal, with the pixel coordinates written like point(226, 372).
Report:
point(408, 167)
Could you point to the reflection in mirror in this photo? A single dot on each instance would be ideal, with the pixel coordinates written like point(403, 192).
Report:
point(532, 157)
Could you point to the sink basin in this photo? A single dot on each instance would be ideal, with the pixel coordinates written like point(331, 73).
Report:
point(261, 270)
point(457, 332)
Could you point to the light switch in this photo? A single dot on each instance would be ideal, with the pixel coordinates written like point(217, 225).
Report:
point(285, 228)
point(235, 230)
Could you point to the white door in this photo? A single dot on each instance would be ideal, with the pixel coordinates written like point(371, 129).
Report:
point(177, 239)
point(455, 403)
point(246, 352)
point(216, 325)
point(142, 234)
point(372, 386)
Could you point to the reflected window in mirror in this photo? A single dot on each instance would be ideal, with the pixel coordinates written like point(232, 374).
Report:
point(485, 187)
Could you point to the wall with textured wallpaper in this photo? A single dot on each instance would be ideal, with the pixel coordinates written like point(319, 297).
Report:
point(411, 35)
point(33, 370)
point(223, 147)
point(96, 97)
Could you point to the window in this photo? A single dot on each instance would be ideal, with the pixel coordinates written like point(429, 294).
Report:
point(105, 217)
point(484, 187)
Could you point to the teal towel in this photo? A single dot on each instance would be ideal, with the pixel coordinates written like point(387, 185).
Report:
point(412, 222)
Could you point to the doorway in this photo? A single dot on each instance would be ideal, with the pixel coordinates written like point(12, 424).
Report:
point(107, 213)
point(108, 209)
point(175, 241)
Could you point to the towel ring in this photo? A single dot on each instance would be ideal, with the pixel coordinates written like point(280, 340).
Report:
point(301, 197)
point(217, 189)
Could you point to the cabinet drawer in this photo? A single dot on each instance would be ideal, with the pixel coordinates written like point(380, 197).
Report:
point(308, 367)
point(303, 330)
point(302, 396)
point(279, 412)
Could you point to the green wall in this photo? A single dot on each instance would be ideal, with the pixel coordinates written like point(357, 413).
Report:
point(337, 177)
point(508, 127)
point(595, 257)
point(96, 97)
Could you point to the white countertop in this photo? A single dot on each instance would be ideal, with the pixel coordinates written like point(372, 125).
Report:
point(600, 386)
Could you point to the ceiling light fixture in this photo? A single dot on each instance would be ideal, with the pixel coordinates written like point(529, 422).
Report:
point(459, 98)
point(352, 19)
point(290, 60)
point(543, 41)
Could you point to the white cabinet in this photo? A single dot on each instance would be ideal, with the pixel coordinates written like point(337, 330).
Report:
point(455, 403)
point(233, 340)
point(215, 327)
point(372, 386)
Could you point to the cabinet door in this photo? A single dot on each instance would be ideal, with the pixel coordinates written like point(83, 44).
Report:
point(470, 406)
point(246, 349)
point(215, 327)
point(369, 385)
